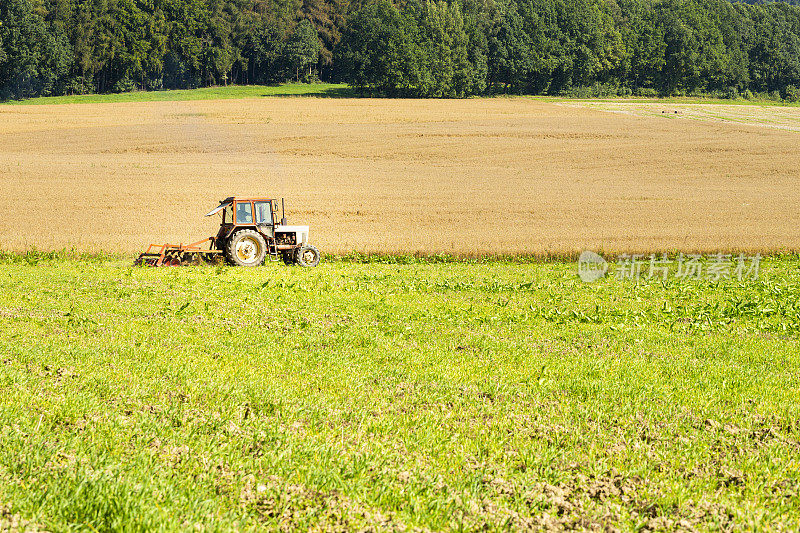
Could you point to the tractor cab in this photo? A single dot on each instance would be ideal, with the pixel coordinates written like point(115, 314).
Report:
point(243, 212)
point(250, 231)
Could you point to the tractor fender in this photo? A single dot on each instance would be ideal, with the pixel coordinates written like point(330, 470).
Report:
point(234, 229)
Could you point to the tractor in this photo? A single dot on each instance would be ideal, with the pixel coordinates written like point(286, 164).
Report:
point(249, 232)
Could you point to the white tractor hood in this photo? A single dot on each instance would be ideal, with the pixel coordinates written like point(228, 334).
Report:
point(301, 231)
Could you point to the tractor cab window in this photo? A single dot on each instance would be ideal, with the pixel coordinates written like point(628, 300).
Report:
point(263, 213)
point(244, 213)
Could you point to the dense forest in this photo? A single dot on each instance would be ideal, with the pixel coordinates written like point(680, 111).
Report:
point(426, 48)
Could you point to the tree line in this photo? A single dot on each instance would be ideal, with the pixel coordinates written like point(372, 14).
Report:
point(421, 48)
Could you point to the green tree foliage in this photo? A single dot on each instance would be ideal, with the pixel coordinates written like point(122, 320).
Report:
point(34, 55)
point(425, 48)
point(302, 50)
point(444, 68)
point(510, 49)
point(552, 46)
point(378, 50)
point(328, 18)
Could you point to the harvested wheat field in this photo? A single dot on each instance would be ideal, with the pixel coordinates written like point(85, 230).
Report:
point(780, 117)
point(463, 176)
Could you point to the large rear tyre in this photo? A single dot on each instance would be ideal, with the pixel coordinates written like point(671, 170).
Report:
point(307, 256)
point(246, 248)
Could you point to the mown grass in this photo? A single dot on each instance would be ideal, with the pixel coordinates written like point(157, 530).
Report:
point(438, 396)
point(205, 93)
point(761, 102)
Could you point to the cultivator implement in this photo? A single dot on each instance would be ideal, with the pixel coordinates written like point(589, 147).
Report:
point(178, 254)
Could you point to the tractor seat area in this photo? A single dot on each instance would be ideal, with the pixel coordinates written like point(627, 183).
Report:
point(244, 213)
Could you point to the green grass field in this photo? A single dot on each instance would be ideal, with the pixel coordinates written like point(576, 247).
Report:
point(458, 396)
point(761, 102)
point(206, 93)
point(332, 90)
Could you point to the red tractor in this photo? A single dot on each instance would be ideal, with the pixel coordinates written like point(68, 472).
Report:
point(249, 232)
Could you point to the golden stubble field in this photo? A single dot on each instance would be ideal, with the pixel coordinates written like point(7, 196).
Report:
point(456, 176)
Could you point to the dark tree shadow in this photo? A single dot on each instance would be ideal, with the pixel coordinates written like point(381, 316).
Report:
point(331, 92)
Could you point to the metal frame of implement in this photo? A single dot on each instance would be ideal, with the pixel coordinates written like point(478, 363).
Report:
point(178, 254)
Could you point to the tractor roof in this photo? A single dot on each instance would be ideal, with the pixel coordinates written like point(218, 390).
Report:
point(230, 199)
point(248, 198)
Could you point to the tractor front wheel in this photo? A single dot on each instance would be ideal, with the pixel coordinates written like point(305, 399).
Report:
point(307, 256)
point(246, 248)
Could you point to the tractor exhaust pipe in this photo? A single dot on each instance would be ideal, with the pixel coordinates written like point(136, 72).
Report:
point(283, 213)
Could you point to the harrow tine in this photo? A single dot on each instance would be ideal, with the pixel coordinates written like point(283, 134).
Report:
point(176, 254)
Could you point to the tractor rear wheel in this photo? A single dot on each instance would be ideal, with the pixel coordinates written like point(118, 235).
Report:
point(246, 248)
point(307, 256)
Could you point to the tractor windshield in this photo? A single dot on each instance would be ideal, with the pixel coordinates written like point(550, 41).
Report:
point(263, 213)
